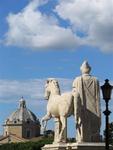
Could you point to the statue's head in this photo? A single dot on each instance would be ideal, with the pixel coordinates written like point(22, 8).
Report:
point(85, 67)
point(51, 86)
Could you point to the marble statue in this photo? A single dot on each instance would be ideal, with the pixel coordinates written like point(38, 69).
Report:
point(59, 106)
point(87, 106)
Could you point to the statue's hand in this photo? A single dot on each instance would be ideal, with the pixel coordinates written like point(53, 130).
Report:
point(78, 122)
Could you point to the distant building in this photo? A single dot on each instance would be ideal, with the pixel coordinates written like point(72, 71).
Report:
point(49, 133)
point(21, 125)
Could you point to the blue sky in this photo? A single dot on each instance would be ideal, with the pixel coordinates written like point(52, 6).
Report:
point(51, 38)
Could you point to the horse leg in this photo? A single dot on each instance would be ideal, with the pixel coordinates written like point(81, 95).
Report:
point(63, 136)
point(44, 121)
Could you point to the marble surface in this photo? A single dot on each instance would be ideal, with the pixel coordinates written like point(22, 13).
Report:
point(76, 146)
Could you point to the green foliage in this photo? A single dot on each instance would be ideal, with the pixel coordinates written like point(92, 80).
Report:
point(110, 133)
point(26, 146)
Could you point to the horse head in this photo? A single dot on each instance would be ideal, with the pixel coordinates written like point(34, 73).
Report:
point(51, 87)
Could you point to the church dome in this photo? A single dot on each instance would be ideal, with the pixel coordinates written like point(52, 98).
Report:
point(22, 114)
point(22, 123)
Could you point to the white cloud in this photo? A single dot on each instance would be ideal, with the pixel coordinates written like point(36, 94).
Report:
point(12, 90)
point(91, 18)
point(94, 18)
point(30, 28)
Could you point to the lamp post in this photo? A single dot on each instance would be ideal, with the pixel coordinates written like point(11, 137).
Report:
point(106, 92)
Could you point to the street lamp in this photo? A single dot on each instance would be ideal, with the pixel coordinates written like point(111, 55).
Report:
point(106, 92)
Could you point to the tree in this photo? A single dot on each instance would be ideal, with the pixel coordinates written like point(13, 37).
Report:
point(27, 145)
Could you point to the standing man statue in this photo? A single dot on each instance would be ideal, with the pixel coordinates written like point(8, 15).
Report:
point(87, 106)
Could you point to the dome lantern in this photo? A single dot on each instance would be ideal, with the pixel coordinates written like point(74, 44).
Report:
point(22, 103)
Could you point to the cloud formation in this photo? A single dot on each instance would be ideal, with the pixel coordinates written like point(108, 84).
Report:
point(32, 89)
point(12, 90)
point(93, 18)
point(90, 23)
point(30, 28)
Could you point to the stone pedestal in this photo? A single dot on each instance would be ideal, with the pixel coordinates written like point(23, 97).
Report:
point(76, 146)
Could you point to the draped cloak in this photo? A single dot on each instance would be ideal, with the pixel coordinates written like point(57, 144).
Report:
point(87, 108)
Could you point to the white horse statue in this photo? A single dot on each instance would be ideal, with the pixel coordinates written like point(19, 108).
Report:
point(59, 105)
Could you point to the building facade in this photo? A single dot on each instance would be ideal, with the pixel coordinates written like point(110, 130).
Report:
point(22, 123)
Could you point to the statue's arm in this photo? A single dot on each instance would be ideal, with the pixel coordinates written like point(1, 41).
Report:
point(77, 100)
point(98, 98)
point(75, 83)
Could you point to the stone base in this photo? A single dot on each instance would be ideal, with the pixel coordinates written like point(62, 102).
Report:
point(76, 146)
